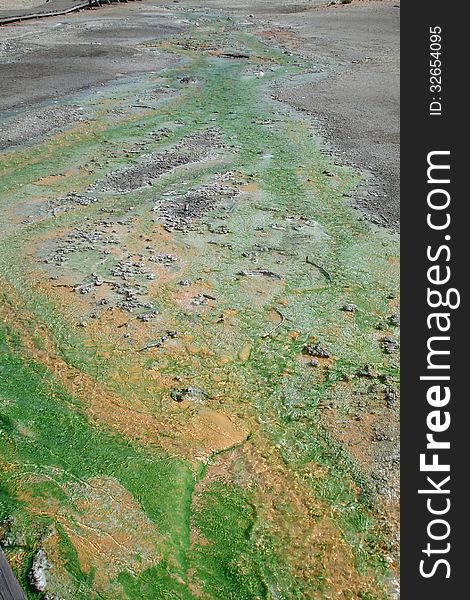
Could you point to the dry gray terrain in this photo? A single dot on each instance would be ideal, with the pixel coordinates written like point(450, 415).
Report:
point(356, 100)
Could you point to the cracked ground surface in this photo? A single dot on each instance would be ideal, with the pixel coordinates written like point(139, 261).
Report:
point(200, 330)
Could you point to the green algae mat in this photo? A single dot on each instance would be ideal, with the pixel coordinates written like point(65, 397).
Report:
point(198, 344)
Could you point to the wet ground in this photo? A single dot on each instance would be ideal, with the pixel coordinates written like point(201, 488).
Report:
point(200, 329)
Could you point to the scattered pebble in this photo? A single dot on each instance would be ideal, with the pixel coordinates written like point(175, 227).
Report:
point(316, 350)
point(365, 371)
point(391, 396)
point(189, 393)
point(389, 345)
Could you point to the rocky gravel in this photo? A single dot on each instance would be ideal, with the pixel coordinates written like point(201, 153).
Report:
point(34, 125)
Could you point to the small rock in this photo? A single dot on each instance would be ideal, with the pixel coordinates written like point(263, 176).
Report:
point(199, 300)
point(187, 80)
point(349, 307)
point(365, 371)
point(37, 573)
point(389, 345)
point(391, 396)
point(189, 393)
point(316, 350)
point(145, 317)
